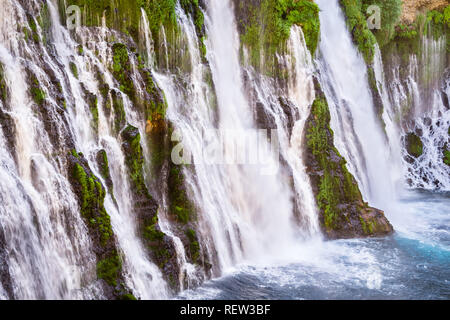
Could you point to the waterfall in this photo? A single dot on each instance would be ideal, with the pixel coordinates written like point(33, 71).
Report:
point(419, 104)
point(246, 211)
point(374, 145)
point(244, 215)
point(242, 133)
point(37, 204)
point(358, 134)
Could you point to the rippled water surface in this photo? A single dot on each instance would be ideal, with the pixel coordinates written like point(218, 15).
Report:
point(411, 264)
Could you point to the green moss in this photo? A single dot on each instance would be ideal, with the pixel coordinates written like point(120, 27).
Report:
point(336, 185)
point(104, 164)
point(3, 87)
point(155, 241)
point(122, 69)
point(74, 153)
point(194, 246)
point(438, 24)
point(267, 27)
point(109, 269)
point(447, 157)
point(192, 7)
point(33, 27)
point(119, 111)
point(134, 159)
point(128, 296)
point(36, 92)
point(92, 102)
point(414, 145)
point(357, 25)
point(156, 106)
point(91, 197)
point(74, 69)
point(390, 11)
point(180, 204)
point(151, 232)
point(160, 13)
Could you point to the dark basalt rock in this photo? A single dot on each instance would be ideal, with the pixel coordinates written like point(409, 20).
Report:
point(9, 131)
point(5, 277)
point(290, 111)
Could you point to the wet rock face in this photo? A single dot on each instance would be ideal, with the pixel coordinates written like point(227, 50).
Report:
point(358, 220)
point(342, 211)
point(5, 277)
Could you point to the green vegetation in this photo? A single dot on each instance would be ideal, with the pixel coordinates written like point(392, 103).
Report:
point(446, 156)
point(151, 231)
point(134, 159)
point(357, 14)
point(93, 107)
point(194, 246)
point(192, 7)
point(180, 204)
point(390, 11)
point(104, 164)
point(122, 69)
point(36, 92)
point(266, 26)
point(91, 196)
point(414, 145)
point(368, 226)
point(109, 269)
point(336, 185)
point(119, 111)
point(160, 13)
point(3, 88)
point(357, 24)
point(156, 106)
point(127, 296)
point(438, 24)
point(74, 69)
point(156, 241)
point(33, 27)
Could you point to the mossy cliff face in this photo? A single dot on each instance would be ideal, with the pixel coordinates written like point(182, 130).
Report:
point(414, 44)
point(90, 194)
point(6, 121)
point(357, 14)
point(149, 103)
point(264, 26)
point(125, 16)
point(160, 247)
point(342, 211)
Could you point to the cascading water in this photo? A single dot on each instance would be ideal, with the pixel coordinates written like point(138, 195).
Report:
point(377, 267)
point(358, 134)
point(48, 205)
point(37, 203)
point(421, 106)
point(237, 203)
point(259, 228)
point(141, 274)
